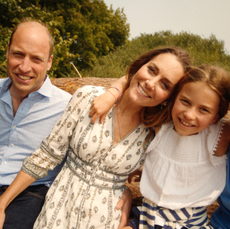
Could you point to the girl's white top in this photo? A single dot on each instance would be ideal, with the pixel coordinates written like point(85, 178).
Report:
point(181, 171)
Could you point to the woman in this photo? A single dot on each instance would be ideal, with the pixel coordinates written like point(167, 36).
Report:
point(100, 156)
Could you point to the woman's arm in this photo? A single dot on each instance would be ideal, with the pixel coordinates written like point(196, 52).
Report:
point(125, 204)
point(103, 103)
point(20, 183)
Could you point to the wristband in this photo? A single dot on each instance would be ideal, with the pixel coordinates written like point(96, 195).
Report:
point(119, 91)
point(112, 95)
point(126, 188)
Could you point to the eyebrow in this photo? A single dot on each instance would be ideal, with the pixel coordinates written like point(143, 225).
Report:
point(202, 105)
point(155, 66)
point(158, 70)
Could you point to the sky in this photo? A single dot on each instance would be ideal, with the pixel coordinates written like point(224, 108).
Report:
point(199, 17)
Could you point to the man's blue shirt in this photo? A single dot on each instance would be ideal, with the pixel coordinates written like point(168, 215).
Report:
point(22, 134)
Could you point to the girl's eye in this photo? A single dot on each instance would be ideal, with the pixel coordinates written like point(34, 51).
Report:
point(204, 110)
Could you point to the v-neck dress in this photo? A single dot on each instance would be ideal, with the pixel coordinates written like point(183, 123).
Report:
point(91, 182)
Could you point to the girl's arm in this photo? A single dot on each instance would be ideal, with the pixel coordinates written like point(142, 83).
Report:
point(103, 103)
point(20, 183)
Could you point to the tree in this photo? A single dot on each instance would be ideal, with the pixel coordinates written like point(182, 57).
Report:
point(83, 29)
point(202, 50)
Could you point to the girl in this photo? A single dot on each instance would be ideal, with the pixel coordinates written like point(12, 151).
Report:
point(185, 170)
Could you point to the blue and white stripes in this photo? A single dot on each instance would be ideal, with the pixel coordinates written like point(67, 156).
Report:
point(195, 218)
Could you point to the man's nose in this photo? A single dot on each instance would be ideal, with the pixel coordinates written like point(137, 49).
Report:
point(25, 65)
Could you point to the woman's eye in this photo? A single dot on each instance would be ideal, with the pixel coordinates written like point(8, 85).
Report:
point(152, 70)
point(165, 85)
point(184, 101)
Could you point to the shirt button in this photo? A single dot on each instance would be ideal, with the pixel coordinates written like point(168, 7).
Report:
point(14, 126)
point(5, 162)
point(12, 144)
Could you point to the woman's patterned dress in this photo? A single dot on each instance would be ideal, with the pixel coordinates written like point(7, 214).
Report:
point(86, 191)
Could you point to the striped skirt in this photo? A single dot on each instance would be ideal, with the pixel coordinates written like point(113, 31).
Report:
point(195, 218)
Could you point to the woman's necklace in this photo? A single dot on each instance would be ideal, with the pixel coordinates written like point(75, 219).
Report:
point(119, 131)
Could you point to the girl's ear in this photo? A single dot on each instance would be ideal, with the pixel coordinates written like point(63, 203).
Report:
point(215, 119)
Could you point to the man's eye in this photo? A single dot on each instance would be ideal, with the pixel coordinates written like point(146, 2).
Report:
point(17, 54)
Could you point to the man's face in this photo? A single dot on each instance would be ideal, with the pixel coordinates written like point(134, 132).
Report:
point(28, 58)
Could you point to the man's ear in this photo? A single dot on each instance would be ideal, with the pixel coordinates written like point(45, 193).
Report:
point(49, 64)
point(7, 51)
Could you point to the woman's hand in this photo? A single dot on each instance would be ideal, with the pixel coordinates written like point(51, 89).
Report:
point(101, 106)
point(125, 204)
point(103, 103)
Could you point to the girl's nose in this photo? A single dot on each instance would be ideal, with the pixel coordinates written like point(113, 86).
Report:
point(190, 113)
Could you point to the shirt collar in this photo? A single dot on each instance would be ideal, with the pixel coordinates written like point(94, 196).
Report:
point(45, 89)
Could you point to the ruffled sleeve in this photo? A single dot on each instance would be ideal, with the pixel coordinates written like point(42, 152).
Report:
point(213, 134)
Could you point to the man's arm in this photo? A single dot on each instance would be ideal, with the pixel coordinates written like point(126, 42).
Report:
point(103, 103)
point(20, 183)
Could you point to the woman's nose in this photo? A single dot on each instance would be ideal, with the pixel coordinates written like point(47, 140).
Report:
point(151, 83)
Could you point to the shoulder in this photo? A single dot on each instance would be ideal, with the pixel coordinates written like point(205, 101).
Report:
point(89, 90)
point(85, 95)
point(59, 93)
point(164, 127)
point(4, 81)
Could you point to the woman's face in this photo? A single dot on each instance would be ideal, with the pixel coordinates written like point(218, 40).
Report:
point(153, 83)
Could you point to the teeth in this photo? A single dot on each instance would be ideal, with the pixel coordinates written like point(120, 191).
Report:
point(23, 77)
point(185, 123)
point(142, 91)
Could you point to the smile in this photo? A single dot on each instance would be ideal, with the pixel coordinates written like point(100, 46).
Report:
point(185, 123)
point(142, 91)
point(24, 77)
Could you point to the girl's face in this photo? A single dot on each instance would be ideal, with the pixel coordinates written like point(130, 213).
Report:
point(154, 81)
point(195, 108)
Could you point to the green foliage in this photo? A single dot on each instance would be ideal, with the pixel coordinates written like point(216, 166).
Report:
point(202, 50)
point(83, 30)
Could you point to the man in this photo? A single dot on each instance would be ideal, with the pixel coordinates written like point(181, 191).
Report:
point(29, 107)
point(221, 217)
